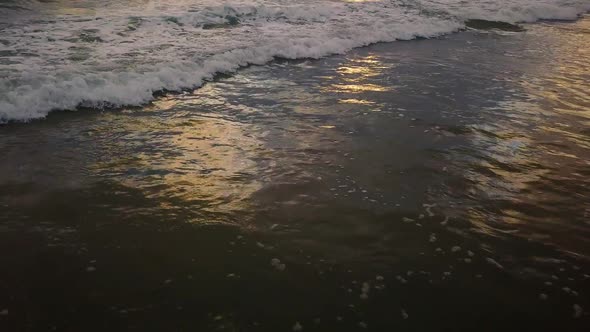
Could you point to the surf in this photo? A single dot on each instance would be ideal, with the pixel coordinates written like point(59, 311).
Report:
point(117, 58)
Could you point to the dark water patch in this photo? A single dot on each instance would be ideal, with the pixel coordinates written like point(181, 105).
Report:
point(44, 21)
point(490, 25)
point(458, 129)
point(26, 53)
point(134, 23)
point(8, 53)
point(210, 26)
point(79, 53)
point(174, 20)
point(80, 20)
point(230, 22)
point(89, 36)
point(13, 7)
point(86, 36)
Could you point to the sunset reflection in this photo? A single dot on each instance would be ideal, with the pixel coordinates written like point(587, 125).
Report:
point(201, 162)
point(534, 142)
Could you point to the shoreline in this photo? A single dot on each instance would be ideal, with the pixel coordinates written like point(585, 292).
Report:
point(221, 75)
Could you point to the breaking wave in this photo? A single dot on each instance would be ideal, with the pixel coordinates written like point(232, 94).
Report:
point(110, 57)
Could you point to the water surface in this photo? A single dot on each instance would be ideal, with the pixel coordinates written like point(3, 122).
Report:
point(437, 184)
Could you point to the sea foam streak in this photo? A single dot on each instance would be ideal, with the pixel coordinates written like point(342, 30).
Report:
point(113, 57)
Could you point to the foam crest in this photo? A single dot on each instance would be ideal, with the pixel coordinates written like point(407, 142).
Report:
point(117, 58)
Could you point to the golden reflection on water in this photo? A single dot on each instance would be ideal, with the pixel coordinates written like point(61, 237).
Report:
point(201, 162)
point(358, 88)
point(354, 77)
point(541, 140)
point(565, 87)
point(356, 101)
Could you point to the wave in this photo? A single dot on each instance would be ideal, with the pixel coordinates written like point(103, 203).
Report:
point(122, 60)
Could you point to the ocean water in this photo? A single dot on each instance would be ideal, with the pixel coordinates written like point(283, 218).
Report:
point(208, 166)
point(57, 55)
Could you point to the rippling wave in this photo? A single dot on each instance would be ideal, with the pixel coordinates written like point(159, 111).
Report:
point(59, 55)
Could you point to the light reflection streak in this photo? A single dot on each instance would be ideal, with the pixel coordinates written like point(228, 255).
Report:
point(355, 76)
point(196, 162)
point(536, 143)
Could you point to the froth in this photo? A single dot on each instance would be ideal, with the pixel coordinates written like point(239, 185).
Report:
point(117, 59)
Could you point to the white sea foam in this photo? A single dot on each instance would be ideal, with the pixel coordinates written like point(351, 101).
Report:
point(119, 53)
point(514, 11)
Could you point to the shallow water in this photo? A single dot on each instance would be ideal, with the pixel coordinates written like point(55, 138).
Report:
point(450, 175)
